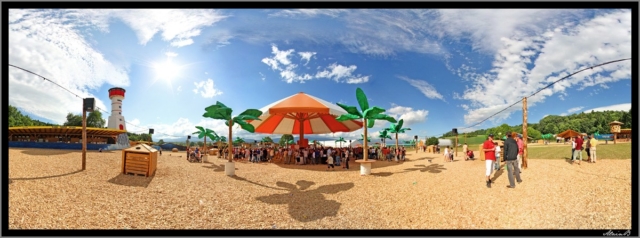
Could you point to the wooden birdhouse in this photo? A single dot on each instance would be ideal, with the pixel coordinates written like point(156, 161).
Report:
point(140, 159)
point(615, 126)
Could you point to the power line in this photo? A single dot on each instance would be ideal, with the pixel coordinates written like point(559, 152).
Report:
point(437, 135)
point(78, 96)
point(563, 78)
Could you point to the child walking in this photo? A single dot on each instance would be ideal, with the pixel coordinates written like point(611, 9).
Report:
point(330, 163)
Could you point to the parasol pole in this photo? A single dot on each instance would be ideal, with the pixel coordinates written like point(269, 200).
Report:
point(301, 132)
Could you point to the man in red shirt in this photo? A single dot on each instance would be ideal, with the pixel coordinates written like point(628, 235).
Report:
point(578, 152)
point(488, 148)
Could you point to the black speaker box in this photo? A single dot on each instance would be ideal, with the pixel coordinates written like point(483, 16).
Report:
point(89, 104)
point(150, 131)
point(189, 137)
point(455, 131)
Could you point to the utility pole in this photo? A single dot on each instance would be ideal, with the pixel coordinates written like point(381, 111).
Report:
point(524, 132)
point(84, 137)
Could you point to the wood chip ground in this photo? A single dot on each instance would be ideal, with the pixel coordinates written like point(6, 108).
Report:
point(47, 191)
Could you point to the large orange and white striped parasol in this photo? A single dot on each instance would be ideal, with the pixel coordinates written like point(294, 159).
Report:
point(303, 114)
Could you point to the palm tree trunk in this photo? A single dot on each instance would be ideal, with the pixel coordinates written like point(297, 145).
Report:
point(396, 142)
point(230, 141)
point(364, 143)
point(205, 145)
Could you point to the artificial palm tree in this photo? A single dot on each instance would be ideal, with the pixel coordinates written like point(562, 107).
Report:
point(368, 115)
point(265, 140)
point(221, 112)
point(238, 140)
point(204, 133)
point(340, 139)
point(384, 135)
point(397, 128)
point(362, 138)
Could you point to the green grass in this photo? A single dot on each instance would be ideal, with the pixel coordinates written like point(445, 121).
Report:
point(608, 151)
point(475, 140)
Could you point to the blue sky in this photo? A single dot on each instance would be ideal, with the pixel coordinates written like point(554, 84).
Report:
point(436, 69)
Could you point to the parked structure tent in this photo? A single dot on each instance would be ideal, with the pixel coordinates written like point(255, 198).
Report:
point(445, 142)
point(568, 134)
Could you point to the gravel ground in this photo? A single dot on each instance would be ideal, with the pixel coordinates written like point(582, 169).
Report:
point(47, 190)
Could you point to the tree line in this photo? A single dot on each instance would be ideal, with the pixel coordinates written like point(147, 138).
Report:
point(581, 122)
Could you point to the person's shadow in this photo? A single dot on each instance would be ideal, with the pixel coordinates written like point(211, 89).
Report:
point(307, 205)
point(433, 168)
point(216, 168)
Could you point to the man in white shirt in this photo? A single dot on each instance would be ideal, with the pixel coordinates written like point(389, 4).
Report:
point(446, 154)
point(464, 151)
point(497, 156)
point(305, 154)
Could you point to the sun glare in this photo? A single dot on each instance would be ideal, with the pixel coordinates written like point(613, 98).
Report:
point(167, 70)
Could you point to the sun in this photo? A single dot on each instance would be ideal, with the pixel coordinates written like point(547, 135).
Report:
point(167, 70)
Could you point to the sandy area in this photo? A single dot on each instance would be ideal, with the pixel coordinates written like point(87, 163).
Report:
point(47, 190)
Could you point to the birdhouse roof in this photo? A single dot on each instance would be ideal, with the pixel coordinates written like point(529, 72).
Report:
point(141, 148)
point(615, 123)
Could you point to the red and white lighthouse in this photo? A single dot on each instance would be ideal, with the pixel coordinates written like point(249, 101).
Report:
point(116, 120)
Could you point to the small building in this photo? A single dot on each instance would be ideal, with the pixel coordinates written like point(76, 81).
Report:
point(141, 159)
point(445, 142)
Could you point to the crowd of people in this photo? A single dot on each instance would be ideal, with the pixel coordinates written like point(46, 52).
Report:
point(314, 155)
point(513, 150)
point(512, 153)
point(588, 144)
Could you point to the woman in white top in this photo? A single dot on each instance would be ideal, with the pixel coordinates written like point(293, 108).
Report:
point(446, 154)
point(346, 159)
point(573, 148)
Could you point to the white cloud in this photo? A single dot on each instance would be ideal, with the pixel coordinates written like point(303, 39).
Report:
point(281, 61)
point(51, 43)
point(262, 76)
point(179, 88)
point(526, 63)
point(486, 27)
point(135, 122)
point(427, 89)
point(177, 26)
point(306, 56)
point(206, 89)
point(54, 48)
point(408, 114)
point(574, 109)
point(563, 114)
point(171, 54)
point(221, 38)
point(341, 73)
point(617, 107)
point(308, 12)
point(377, 32)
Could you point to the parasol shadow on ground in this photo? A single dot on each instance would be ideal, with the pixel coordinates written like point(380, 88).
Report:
point(432, 168)
point(131, 180)
point(47, 177)
point(307, 205)
point(216, 168)
point(236, 177)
